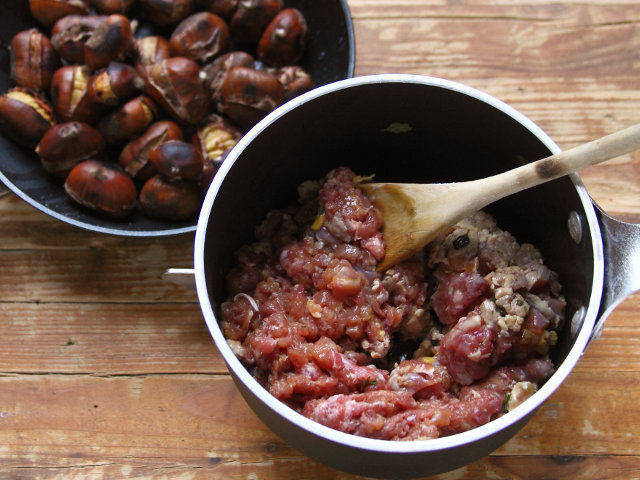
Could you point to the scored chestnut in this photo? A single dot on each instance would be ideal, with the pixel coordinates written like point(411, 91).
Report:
point(177, 160)
point(110, 41)
point(215, 138)
point(101, 188)
point(248, 95)
point(109, 7)
point(135, 156)
point(48, 12)
point(67, 144)
point(33, 60)
point(129, 120)
point(148, 51)
point(25, 116)
point(251, 18)
point(283, 42)
point(175, 83)
point(70, 95)
point(216, 71)
point(295, 81)
point(114, 84)
point(70, 33)
point(222, 8)
point(166, 12)
point(170, 200)
point(200, 37)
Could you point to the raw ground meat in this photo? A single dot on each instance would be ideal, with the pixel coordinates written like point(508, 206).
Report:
point(475, 316)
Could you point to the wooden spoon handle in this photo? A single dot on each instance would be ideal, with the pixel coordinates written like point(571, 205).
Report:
point(569, 161)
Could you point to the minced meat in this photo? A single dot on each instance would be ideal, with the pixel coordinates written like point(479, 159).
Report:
point(315, 323)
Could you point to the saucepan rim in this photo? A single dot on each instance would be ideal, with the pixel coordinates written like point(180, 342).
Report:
point(388, 446)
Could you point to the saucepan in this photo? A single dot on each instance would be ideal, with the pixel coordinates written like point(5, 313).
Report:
point(408, 128)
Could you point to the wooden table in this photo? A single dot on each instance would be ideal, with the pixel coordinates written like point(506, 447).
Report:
point(108, 371)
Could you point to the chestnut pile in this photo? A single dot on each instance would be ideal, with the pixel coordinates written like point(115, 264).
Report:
point(145, 110)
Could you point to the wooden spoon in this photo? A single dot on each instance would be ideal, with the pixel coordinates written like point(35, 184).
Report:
point(415, 214)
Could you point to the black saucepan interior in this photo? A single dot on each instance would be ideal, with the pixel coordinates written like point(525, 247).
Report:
point(453, 137)
point(329, 57)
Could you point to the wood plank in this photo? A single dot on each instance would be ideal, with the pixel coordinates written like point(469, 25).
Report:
point(112, 339)
point(106, 339)
point(52, 417)
point(125, 270)
point(579, 12)
point(495, 467)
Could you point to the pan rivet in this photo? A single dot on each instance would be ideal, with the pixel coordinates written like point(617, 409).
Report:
point(575, 226)
point(576, 321)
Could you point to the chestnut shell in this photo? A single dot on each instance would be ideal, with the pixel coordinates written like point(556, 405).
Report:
point(251, 18)
point(70, 33)
point(283, 42)
point(135, 156)
point(48, 12)
point(33, 60)
point(166, 12)
point(248, 95)
point(200, 37)
point(295, 81)
point(129, 120)
point(102, 188)
point(109, 7)
point(70, 95)
point(116, 83)
point(170, 200)
point(67, 144)
point(177, 160)
point(215, 138)
point(110, 41)
point(175, 83)
point(149, 51)
point(222, 8)
point(216, 71)
point(25, 116)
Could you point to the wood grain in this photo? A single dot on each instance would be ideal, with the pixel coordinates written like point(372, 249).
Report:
point(107, 371)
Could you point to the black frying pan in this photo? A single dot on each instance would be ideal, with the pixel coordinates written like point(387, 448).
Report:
point(330, 56)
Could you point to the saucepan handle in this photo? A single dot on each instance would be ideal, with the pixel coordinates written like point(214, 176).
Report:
point(621, 241)
point(185, 277)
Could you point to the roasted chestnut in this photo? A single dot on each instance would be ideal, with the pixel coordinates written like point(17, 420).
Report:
point(295, 81)
point(70, 95)
point(135, 156)
point(33, 60)
point(215, 138)
point(114, 84)
point(249, 94)
point(48, 12)
point(177, 160)
point(251, 18)
point(216, 71)
point(109, 7)
point(149, 51)
point(170, 200)
point(70, 33)
point(129, 120)
point(175, 83)
point(25, 116)
point(200, 37)
point(102, 188)
point(222, 8)
point(283, 42)
point(67, 144)
point(166, 12)
point(109, 42)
